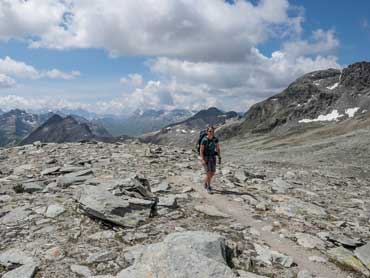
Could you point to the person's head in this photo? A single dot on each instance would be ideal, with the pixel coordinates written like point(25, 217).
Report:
point(210, 132)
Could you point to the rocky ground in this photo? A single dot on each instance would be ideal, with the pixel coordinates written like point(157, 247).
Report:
point(138, 210)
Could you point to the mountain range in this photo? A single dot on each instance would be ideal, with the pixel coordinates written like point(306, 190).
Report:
point(316, 99)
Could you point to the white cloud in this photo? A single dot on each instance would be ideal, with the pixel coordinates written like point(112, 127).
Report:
point(211, 30)
point(57, 74)
point(31, 103)
point(6, 81)
point(135, 80)
point(19, 69)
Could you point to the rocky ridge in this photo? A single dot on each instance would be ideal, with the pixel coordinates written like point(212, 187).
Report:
point(186, 133)
point(84, 209)
point(313, 100)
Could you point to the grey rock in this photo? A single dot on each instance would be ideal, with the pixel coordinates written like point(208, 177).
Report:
point(65, 182)
point(363, 253)
point(309, 241)
point(295, 207)
point(102, 235)
point(162, 187)
point(16, 256)
point(54, 210)
point(280, 186)
point(346, 258)
point(32, 187)
point(82, 270)
point(344, 240)
point(81, 173)
point(24, 271)
point(16, 215)
point(269, 257)
point(102, 204)
point(188, 254)
point(49, 171)
point(102, 256)
point(210, 211)
point(167, 201)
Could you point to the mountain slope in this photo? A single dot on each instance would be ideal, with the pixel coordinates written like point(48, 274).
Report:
point(315, 99)
point(186, 132)
point(16, 124)
point(141, 122)
point(58, 130)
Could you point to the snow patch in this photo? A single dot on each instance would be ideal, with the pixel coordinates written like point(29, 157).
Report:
point(184, 131)
point(193, 131)
point(333, 116)
point(333, 87)
point(351, 111)
point(364, 111)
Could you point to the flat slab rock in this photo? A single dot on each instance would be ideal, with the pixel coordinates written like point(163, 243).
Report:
point(363, 253)
point(100, 203)
point(181, 255)
point(346, 258)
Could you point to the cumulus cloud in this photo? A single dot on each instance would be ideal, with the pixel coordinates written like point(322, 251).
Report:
point(31, 103)
point(135, 80)
point(19, 69)
point(192, 30)
point(57, 74)
point(203, 52)
point(6, 81)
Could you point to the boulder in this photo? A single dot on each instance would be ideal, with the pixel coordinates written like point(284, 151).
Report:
point(181, 255)
point(127, 212)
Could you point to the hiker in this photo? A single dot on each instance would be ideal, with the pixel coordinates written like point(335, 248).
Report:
point(209, 148)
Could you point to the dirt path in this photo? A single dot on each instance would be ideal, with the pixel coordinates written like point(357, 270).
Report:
point(236, 211)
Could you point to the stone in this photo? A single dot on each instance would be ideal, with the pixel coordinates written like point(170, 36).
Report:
point(16, 215)
point(280, 186)
point(363, 253)
point(32, 187)
point(102, 204)
point(65, 182)
point(102, 256)
point(295, 207)
point(81, 173)
point(24, 271)
point(309, 241)
point(210, 211)
point(49, 171)
point(54, 210)
point(102, 235)
point(344, 240)
point(188, 254)
point(82, 270)
point(162, 187)
point(269, 257)
point(167, 201)
point(54, 254)
point(15, 256)
point(346, 258)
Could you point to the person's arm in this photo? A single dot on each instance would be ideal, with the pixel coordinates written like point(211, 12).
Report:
point(202, 154)
point(218, 152)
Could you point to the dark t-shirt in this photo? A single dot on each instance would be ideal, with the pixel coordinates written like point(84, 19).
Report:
point(209, 146)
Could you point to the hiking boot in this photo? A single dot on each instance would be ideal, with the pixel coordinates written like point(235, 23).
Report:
point(209, 189)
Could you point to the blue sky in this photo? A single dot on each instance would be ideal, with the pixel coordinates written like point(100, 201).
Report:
point(174, 54)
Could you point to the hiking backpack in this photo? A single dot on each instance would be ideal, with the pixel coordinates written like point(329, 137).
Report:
point(202, 134)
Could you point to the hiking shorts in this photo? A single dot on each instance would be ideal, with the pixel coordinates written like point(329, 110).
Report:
point(210, 165)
